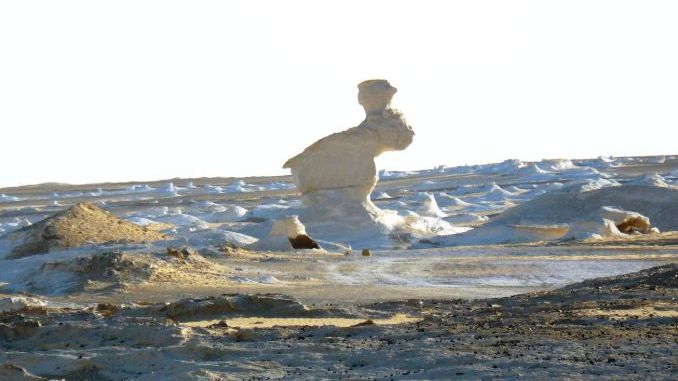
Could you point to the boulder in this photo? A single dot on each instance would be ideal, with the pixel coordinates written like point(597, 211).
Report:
point(285, 235)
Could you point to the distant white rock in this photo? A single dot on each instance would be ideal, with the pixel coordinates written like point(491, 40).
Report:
point(381, 196)
point(215, 213)
point(8, 198)
point(428, 206)
point(602, 162)
point(238, 186)
point(509, 167)
point(496, 193)
point(214, 237)
point(655, 180)
point(170, 188)
point(539, 190)
point(184, 221)
point(16, 223)
point(139, 188)
point(465, 218)
point(384, 174)
point(588, 185)
point(270, 211)
point(415, 223)
point(532, 172)
point(556, 164)
point(446, 200)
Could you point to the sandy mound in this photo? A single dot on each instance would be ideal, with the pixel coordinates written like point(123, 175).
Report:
point(111, 271)
point(101, 271)
point(552, 215)
point(76, 226)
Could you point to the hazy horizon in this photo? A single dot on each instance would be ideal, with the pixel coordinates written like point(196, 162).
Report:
point(126, 91)
point(152, 180)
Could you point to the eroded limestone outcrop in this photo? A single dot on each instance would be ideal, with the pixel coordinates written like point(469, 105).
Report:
point(336, 174)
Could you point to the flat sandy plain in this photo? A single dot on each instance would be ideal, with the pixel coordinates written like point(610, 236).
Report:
point(603, 309)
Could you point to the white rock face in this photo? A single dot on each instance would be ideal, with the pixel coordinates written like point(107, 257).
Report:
point(346, 159)
point(289, 227)
point(429, 206)
point(285, 234)
point(595, 229)
point(337, 174)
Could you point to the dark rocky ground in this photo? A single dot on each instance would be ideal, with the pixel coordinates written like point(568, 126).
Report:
point(617, 328)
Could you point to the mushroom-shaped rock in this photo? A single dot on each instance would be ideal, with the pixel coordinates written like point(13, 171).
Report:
point(336, 174)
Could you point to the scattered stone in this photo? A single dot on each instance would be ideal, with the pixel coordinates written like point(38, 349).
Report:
point(220, 324)
point(367, 322)
point(106, 309)
point(181, 253)
point(366, 253)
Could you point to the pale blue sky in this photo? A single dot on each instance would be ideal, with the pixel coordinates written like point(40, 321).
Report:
point(137, 90)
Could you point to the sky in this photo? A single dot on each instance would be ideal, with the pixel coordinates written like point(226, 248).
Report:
point(94, 91)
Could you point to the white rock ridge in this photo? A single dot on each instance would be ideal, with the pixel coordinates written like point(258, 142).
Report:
point(337, 174)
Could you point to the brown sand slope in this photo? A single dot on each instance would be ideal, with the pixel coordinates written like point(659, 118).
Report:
point(78, 225)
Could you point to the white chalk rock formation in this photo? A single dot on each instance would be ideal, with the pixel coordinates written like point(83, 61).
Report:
point(594, 229)
point(285, 235)
point(428, 206)
point(346, 159)
point(613, 222)
point(570, 213)
point(337, 174)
